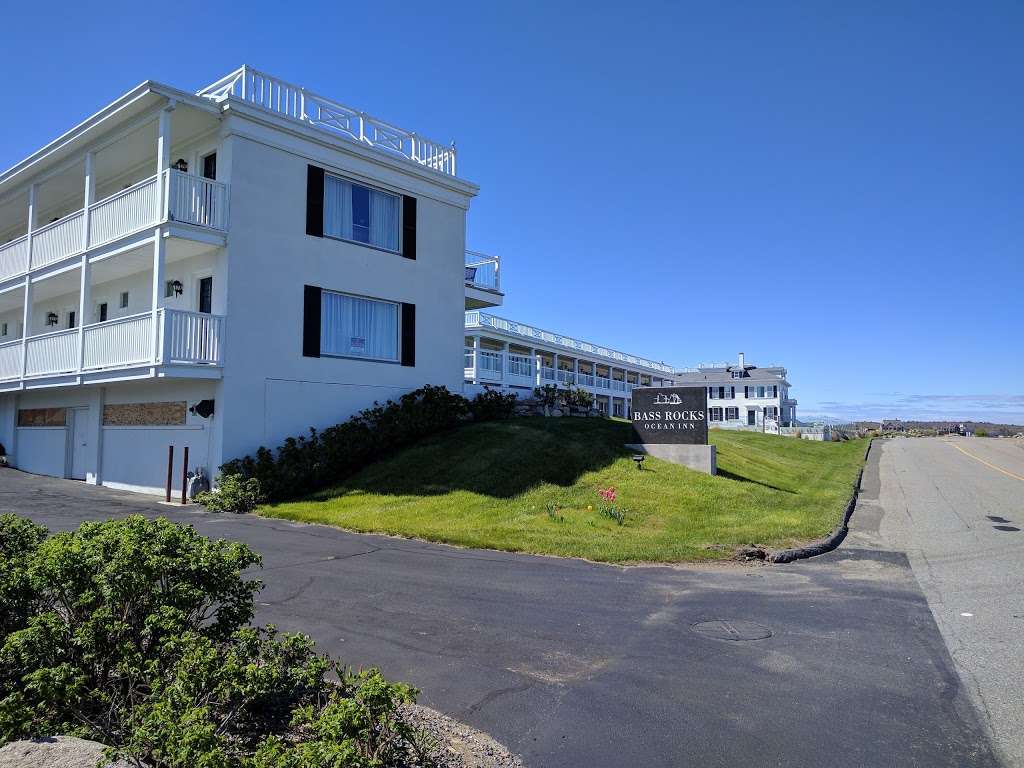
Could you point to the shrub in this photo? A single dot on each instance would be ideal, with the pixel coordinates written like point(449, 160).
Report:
point(547, 395)
point(578, 398)
point(137, 636)
point(491, 405)
point(233, 494)
point(305, 464)
point(19, 539)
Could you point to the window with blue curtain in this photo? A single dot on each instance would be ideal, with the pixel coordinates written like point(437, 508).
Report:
point(351, 326)
point(358, 213)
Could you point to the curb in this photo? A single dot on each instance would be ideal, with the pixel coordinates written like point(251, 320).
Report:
point(835, 538)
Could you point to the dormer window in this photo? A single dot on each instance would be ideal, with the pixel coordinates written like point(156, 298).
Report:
point(737, 374)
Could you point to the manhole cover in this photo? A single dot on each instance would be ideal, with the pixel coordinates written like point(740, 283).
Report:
point(732, 629)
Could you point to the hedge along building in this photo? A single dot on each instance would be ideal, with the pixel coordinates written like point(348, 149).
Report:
point(222, 270)
point(516, 357)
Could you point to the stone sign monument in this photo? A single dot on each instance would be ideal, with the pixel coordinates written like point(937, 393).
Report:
point(672, 424)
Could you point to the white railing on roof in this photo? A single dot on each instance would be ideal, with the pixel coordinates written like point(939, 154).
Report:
point(483, 271)
point(475, 319)
point(296, 103)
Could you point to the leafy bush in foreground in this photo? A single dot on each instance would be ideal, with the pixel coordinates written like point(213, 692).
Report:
point(135, 633)
point(305, 464)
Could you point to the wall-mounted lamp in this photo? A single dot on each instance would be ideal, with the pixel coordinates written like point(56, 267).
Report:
point(176, 287)
point(51, 318)
point(181, 165)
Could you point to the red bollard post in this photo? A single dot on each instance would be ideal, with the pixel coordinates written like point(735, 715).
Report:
point(170, 469)
point(184, 476)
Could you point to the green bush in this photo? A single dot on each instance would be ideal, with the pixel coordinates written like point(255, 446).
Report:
point(491, 405)
point(547, 395)
point(577, 398)
point(304, 464)
point(233, 494)
point(135, 633)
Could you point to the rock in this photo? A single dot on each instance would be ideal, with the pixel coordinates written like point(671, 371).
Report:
point(750, 553)
point(458, 745)
point(55, 752)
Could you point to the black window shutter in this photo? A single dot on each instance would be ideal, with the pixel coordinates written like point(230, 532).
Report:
point(408, 334)
point(314, 201)
point(408, 227)
point(311, 322)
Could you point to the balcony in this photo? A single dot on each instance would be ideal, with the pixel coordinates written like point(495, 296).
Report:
point(183, 339)
point(187, 199)
point(483, 280)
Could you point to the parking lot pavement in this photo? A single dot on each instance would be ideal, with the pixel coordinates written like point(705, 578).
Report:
point(835, 661)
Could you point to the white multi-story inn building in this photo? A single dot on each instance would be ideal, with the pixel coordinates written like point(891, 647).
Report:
point(744, 396)
point(515, 357)
point(222, 270)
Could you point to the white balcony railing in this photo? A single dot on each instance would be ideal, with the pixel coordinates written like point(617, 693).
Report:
point(184, 338)
point(483, 271)
point(521, 365)
point(280, 97)
point(188, 199)
point(10, 360)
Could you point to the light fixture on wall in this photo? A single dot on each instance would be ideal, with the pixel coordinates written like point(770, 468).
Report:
point(51, 318)
point(181, 165)
point(176, 287)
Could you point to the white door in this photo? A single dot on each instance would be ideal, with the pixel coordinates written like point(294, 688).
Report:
point(79, 442)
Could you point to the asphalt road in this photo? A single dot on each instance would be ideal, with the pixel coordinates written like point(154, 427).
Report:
point(956, 507)
point(576, 664)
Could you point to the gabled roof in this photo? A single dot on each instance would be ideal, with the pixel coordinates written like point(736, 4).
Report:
point(751, 375)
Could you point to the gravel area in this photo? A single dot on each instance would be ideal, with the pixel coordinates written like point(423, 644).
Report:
point(458, 745)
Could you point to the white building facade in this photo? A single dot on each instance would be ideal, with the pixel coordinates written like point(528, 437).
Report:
point(219, 271)
point(744, 396)
point(516, 357)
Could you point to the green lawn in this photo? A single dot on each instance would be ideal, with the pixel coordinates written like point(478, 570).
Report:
point(488, 485)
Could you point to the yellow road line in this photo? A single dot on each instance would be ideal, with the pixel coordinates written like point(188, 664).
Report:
point(987, 464)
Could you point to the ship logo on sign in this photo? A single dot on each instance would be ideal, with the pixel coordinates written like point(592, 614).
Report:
point(672, 399)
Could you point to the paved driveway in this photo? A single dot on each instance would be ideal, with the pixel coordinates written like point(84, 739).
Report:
point(575, 664)
point(956, 507)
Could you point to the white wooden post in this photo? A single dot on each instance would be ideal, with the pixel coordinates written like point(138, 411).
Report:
point(504, 361)
point(163, 162)
point(85, 281)
point(576, 371)
point(26, 320)
point(33, 192)
point(476, 359)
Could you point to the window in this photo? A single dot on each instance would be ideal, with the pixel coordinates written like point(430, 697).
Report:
point(71, 319)
point(730, 393)
point(737, 374)
point(771, 412)
point(760, 391)
point(713, 393)
point(124, 300)
point(101, 312)
point(732, 413)
point(351, 326)
point(3, 329)
point(716, 413)
point(355, 212)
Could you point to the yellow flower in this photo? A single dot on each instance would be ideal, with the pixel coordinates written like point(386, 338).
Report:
point(589, 508)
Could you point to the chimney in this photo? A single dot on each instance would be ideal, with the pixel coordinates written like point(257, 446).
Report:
point(741, 361)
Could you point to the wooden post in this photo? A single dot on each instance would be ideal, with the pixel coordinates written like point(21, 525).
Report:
point(170, 469)
point(184, 476)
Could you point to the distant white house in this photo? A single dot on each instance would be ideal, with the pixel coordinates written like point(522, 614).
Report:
point(221, 270)
point(744, 396)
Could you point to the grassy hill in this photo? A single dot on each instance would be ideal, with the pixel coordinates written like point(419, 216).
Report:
point(490, 485)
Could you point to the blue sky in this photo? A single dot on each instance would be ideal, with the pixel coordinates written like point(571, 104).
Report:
point(838, 189)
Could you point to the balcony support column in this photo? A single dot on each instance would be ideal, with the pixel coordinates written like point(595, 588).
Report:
point(163, 157)
point(159, 264)
point(26, 320)
point(554, 368)
point(504, 362)
point(576, 372)
point(33, 192)
point(85, 276)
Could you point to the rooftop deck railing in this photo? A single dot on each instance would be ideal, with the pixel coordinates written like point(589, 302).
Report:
point(476, 319)
point(187, 198)
point(294, 102)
